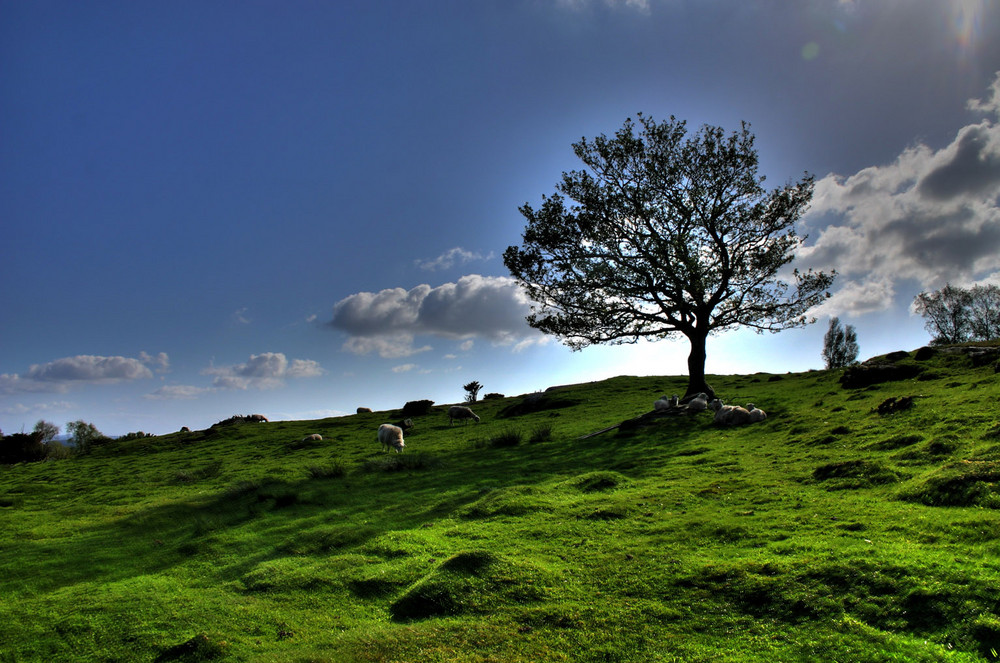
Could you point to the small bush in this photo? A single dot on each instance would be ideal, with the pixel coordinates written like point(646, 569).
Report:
point(417, 408)
point(508, 437)
point(541, 434)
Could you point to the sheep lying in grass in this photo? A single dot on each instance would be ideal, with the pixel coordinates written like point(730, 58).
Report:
point(461, 412)
point(391, 436)
point(699, 403)
point(756, 414)
point(664, 403)
point(315, 437)
point(729, 415)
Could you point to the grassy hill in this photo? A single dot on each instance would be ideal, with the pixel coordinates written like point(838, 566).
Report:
point(830, 532)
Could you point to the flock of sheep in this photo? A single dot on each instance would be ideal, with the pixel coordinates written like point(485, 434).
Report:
point(725, 415)
point(390, 436)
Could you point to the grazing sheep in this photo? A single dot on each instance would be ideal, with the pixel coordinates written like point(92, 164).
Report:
point(258, 418)
point(729, 415)
point(664, 403)
point(362, 410)
point(699, 403)
point(461, 412)
point(315, 437)
point(391, 436)
point(756, 414)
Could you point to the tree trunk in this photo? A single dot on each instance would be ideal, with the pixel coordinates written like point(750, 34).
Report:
point(696, 365)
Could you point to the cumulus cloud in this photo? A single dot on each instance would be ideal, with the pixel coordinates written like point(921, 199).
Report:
point(931, 216)
point(267, 370)
point(450, 258)
point(61, 375)
point(387, 322)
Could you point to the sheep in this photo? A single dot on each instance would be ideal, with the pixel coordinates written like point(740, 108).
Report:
point(259, 418)
point(664, 403)
point(315, 437)
point(391, 436)
point(699, 403)
point(363, 410)
point(729, 415)
point(461, 412)
point(756, 414)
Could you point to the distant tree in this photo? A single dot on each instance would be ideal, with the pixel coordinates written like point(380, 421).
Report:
point(984, 312)
point(840, 345)
point(46, 430)
point(84, 436)
point(472, 391)
point(666, 234)
point(946, 314)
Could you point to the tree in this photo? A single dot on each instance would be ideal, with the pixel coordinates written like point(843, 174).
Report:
point(84, 436)
point(956, 315)
point(946, 314)
point(984, 312)
point(46, 430)
point(472, 391)
point(665, 234)
point(840, 345)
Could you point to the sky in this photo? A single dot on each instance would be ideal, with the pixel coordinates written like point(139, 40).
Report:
point(296, 208)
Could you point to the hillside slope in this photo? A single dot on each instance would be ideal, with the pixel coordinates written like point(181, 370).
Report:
point(830, 531)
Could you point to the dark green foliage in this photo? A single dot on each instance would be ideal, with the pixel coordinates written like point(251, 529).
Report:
point(334, 470)
point(417, 408)
point(865, 375)
point(537, 402)
point(22, 448)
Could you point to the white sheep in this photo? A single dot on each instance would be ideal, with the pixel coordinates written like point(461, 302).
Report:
point(664, 403)
point(461, 412)
point(756, 414)
point(729, 415)
point(391, 436)
point(699, 403)
point(315, 437)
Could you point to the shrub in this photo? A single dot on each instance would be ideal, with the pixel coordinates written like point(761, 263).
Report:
point(22, 448)
point(541, 434)
point(508, 437)
point(417, 408)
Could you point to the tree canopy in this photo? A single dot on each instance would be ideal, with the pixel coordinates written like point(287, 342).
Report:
point(665, 233)
point(956, 315)
point(840, 345)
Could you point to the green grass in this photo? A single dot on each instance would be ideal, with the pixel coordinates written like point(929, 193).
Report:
point(829, 532)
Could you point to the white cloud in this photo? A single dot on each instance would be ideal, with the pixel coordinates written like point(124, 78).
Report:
point(267, 370)
point(931, 216)
point(450, 258)
point(475, 306)
point(403, 368)
point(55, 406)
point(62, 374)
point(178, 392)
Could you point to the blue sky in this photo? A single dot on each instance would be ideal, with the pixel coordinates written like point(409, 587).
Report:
point(299, 208)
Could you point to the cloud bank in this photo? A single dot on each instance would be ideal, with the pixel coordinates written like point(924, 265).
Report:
point(931, 216)
point(388, 321)
point(63, 374)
